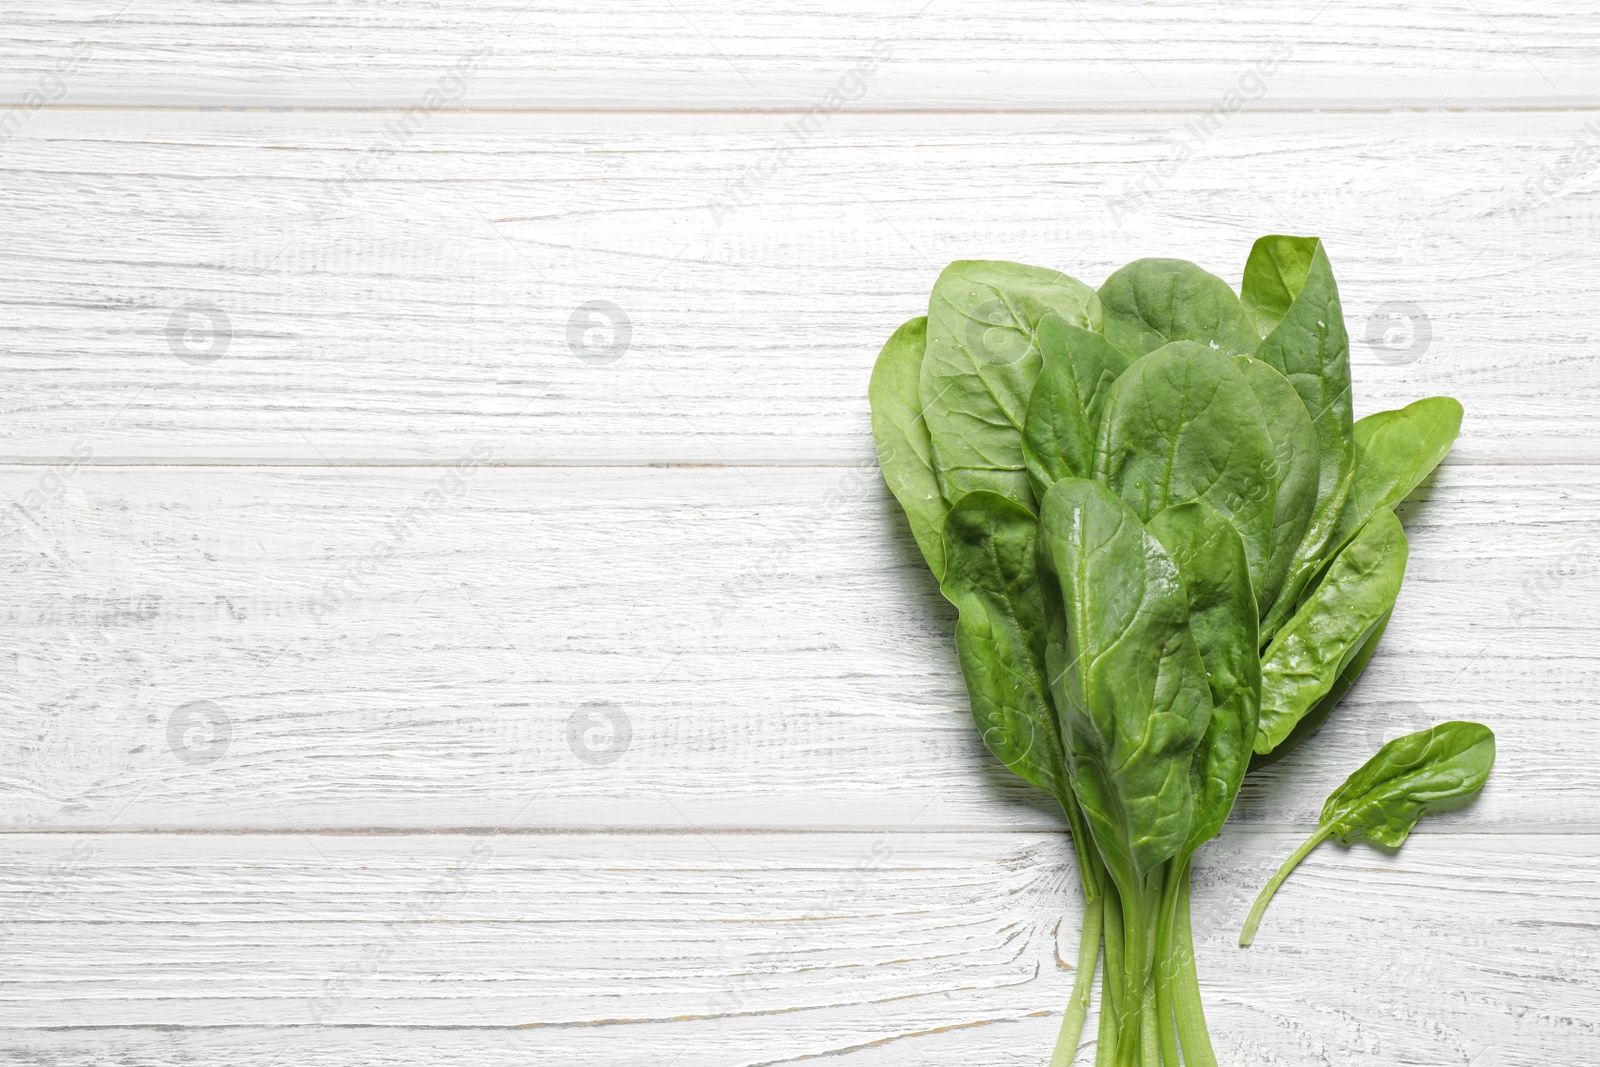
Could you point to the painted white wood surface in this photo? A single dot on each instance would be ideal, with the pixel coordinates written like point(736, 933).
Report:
point(763, 623)
point(710, 54)
point(727, 949)
point(407, 315)
point(769, 635)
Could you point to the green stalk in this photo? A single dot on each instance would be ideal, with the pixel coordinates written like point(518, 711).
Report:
point(1187, 1011)
point(1078, 1005)
point(1166, 965)
point(1111, 976)
point(1136, 1041)
point(1149, 1049)
point(1134, 938)
point(1092, 874)
point(1105, 1042)
point(1149, 1023)
point(1249, 932)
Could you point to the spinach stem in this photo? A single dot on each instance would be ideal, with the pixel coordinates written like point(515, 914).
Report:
point(1165, 973)
point(1111, 977)
point(1249, 932)
point(1136, 1040)
point(1105, 1042)
point(1187, 1010)
point(1078, 1005)
point(1149, 1050)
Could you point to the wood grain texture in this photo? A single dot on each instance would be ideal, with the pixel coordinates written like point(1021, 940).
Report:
point(744, 950)
point(703, 54)
point(436, 303)
point(776, 649)
point(581, 734)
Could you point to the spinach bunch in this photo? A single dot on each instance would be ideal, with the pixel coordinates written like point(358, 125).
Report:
point(1171, 549)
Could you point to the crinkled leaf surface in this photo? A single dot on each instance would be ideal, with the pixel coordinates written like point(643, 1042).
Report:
point(1222, 618)
point(1129, 682)
point(980, 363)
point(1181, 424)
point(1383, 800)
point(1395, 450)
point(1307, 656)
point(992, 577)
point(1296, 468)
point(1077, 368)
point(905, 454)
point(1319, 713)
point(1290, 292)
point(1152, 302)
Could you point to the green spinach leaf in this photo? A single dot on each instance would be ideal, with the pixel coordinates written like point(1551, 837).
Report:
point(1395, 450)
point(1383, 799)
point(1296, 468)
point(1306, 658)
point(1181, 424)
point(980, 364)
point(1222, 617)
point(1318, 715)
point(1153, 302)
point(1290, 292)
point(992, 577)
point(1078, 366)
point(905, 453)
point(1129, 683)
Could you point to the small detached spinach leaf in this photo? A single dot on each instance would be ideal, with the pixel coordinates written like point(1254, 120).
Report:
point(1383, 800)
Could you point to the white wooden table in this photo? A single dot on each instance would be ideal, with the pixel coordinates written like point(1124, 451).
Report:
point(408, 666)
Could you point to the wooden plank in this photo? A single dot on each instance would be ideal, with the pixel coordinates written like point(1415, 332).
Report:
point(440, 303)
point(676, 649)
point(737, 949)
point(697, 53)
